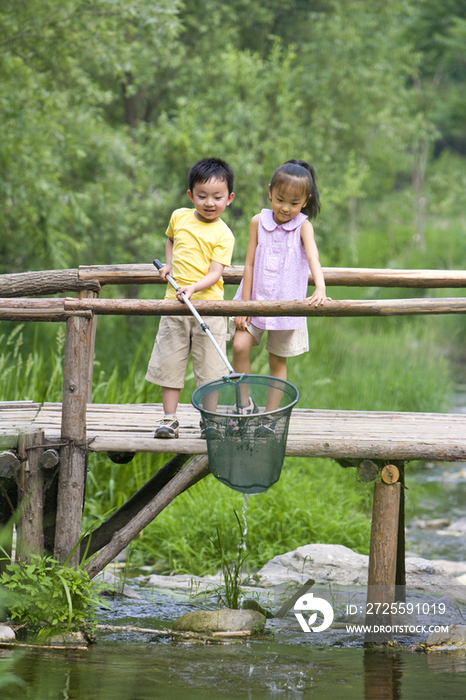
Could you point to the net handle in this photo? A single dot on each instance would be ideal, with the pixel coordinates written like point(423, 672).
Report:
point(202, 323)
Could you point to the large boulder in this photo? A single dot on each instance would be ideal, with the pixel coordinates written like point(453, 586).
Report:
point(325, 563)
point(7, 634)
point(430, 576)
point(336, 564)
point(454, 635)
point(223, 620)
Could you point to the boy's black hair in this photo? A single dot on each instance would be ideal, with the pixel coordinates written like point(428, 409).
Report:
point(301, 170)
point(209, 168)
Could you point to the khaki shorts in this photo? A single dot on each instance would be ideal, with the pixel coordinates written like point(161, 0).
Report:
point(177, 338)
point(280, 343)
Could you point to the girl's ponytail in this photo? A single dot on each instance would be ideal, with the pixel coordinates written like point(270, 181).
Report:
point(312, 208)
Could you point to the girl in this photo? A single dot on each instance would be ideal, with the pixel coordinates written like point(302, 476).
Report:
point(281, 250)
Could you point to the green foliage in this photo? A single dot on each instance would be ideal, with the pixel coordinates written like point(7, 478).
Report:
point(48, 596)
point(105, 104)
point(230, 592)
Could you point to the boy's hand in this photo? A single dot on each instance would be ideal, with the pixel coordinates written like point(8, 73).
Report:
point(189, 291)
point(318, 298)
point(164, 271)
point(241, 322)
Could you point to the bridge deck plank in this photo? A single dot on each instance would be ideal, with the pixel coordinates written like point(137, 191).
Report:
point(313, 432)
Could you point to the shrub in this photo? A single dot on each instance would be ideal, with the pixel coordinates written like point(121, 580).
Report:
point(48, 596)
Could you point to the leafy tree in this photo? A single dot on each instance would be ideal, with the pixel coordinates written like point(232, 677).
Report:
point(70, 180)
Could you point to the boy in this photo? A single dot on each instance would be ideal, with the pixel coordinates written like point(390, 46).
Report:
point(199, 245)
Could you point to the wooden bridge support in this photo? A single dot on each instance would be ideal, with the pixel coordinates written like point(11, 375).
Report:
point(195, 470)
point(382, 561)
point(72, 477)
point(103, 534)
point(30, 488)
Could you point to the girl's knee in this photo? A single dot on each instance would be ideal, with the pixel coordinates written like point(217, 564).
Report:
point(242, 343)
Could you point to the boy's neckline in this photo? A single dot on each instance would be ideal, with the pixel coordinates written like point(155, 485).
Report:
point(201, 219)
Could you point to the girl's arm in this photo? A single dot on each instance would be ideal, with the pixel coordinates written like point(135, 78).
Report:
point(307, 239)
point(241, 321)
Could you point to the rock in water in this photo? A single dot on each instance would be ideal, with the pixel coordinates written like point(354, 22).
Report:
point(6, 634)
point(223, 620)
point(456, 636)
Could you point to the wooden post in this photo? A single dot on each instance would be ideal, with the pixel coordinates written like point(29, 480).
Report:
point(87, 294)
point(30, 486)
point(73, 458)
point(400, 580)
point(382, 561)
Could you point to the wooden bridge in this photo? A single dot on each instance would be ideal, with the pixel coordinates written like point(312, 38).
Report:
point(52, 440)
point(338, 435)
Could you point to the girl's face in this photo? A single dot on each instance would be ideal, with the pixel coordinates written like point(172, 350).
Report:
point(287, 201)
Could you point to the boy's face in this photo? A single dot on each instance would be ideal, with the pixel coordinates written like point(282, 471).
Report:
point(210, 199)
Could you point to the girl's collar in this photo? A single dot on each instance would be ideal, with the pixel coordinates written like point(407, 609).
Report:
point(269, 223)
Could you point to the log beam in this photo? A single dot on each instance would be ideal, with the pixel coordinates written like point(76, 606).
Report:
point(352, 307)
point(9, 464)
point(92, 277)
point(195, 470)
point(44, 282)
point(334, 276)
point(61, 310)
point(103, 534)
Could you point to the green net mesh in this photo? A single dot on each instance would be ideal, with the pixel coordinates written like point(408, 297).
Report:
point(246, 425)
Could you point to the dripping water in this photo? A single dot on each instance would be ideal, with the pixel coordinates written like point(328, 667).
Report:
point(242, 544)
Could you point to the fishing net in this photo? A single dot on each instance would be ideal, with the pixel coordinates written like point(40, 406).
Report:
point(245, 441)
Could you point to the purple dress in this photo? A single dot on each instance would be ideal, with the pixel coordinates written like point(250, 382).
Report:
point(281, 270)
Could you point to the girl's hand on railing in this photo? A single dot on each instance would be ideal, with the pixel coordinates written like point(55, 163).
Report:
point(318, 298)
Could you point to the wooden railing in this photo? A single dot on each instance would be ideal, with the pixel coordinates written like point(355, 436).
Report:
point(94, 277)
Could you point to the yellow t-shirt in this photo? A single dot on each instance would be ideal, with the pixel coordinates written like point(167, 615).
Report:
point(195, 246)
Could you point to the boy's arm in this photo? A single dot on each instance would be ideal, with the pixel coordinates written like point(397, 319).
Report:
point(242, 321)
point(167, 268)
point(307, 238)
point(211, 278)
